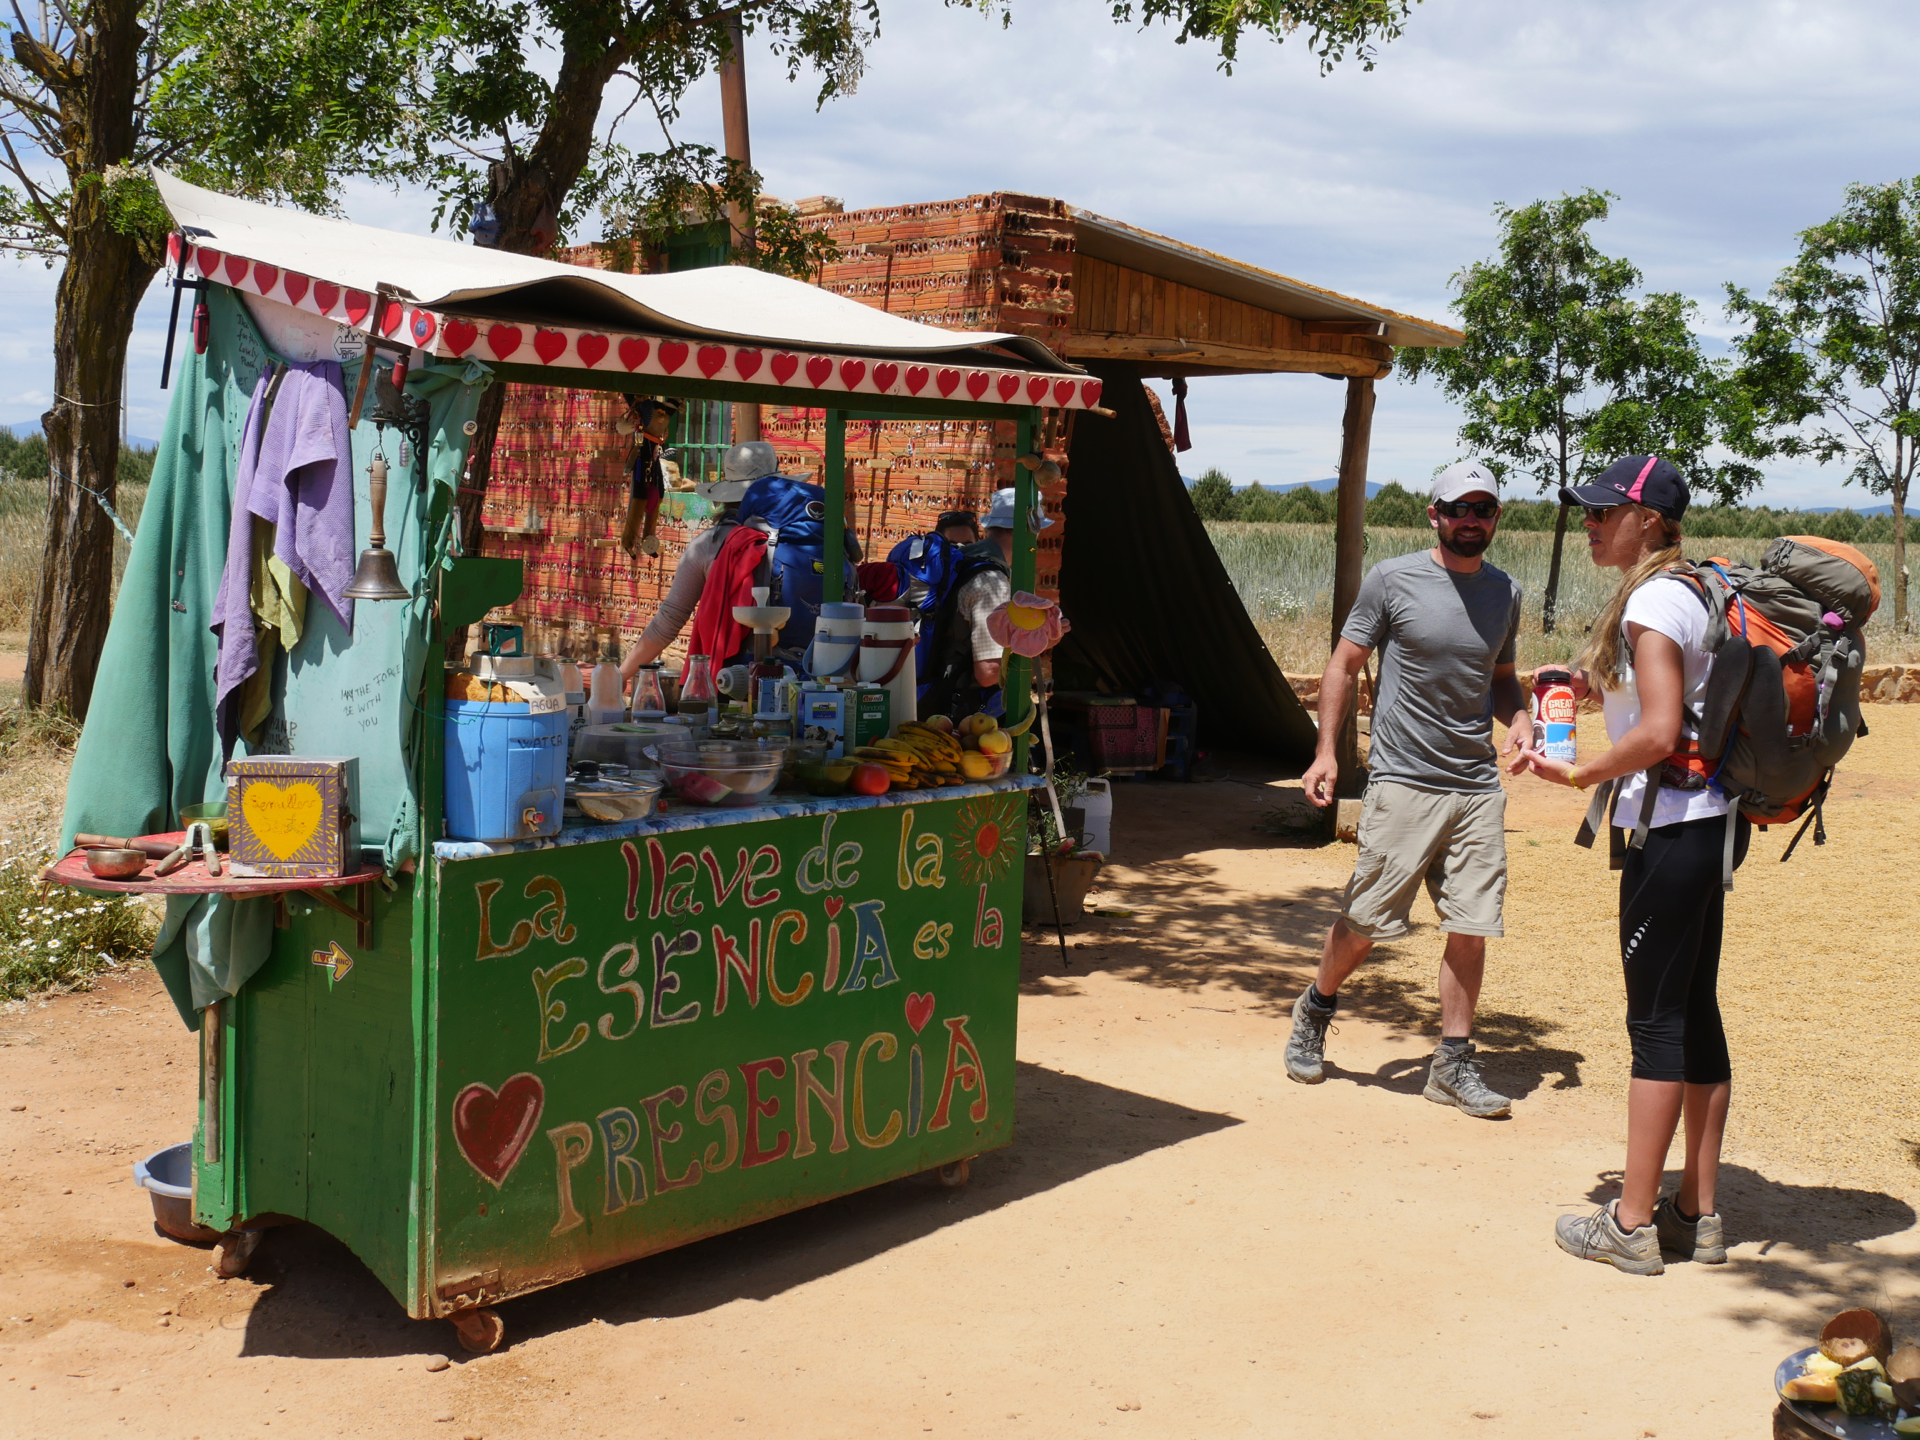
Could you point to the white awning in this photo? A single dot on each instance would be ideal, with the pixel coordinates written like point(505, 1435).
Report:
point(726, 323)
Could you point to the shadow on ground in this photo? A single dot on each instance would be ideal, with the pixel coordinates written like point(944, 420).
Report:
point(321, 1302)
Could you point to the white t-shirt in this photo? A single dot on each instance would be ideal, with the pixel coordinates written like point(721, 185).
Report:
point(1672, 607)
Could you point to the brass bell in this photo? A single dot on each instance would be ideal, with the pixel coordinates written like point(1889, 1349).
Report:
point(377, 576)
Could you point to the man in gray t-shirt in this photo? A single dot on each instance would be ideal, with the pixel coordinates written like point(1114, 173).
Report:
point(1444, 622)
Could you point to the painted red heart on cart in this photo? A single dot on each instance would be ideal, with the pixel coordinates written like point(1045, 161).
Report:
point(492, 1127)
point(833, 904)
point(326, 296)
point(917, 377)
point(1037, 389)
point(1090, 391)
point(1062, 391)
point(591, 349)
point(946, 380)
point(1008, 386)
point(460, 335)
point(783, 366)
point(885, 375)
point(549, 345)
point(390, 317)
point(237, 268)
point(977, 383)
point(207, 260)
point(503, 340)
point(358, 304)
point(819, 370)
point(296, 286)
point(852, 372)
point(711, 360)
point(264, 276)
point(919, 1010)
point(423, 327)
point(673, 355)
point(633, 353)
point(175, 247)
point(746, 363)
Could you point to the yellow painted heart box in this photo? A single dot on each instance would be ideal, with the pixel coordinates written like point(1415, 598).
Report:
point(294, 815)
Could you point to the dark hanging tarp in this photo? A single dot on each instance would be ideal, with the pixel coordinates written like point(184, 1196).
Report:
point(1149, 599)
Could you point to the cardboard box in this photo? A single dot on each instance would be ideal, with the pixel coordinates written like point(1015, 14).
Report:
point(294, 815)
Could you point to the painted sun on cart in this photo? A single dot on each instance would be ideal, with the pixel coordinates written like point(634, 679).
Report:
point(987, 837)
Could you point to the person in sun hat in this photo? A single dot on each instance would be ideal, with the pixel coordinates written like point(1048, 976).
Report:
point(1444, 621)
point(1647, 659)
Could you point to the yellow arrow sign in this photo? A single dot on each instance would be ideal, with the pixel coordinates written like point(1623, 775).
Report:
point(336, 961)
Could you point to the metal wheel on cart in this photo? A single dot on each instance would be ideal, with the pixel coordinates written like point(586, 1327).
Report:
point(480, 1331)
point(955, 1175)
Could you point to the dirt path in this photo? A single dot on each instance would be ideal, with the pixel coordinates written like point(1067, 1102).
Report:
point(1179, 1243)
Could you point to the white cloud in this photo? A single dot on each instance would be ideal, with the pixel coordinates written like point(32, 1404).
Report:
point(1724, 127)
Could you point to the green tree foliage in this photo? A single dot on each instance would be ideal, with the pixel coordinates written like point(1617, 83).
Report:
point(1830, 360)
point(1213, 497)
point(1395, 505)
point(1565, 368)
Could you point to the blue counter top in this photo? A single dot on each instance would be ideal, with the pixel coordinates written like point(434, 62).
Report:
point(684, 816)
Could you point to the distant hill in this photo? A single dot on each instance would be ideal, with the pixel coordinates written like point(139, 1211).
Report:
point(27, 429)
point(1333, 483)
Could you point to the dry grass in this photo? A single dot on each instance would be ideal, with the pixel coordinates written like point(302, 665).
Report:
point(1284, 573)
point(23, 534)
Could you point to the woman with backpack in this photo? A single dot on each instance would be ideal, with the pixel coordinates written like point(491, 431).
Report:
point(1647, 661)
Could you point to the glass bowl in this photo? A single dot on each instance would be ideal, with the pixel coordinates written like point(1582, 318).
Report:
point(721, 775)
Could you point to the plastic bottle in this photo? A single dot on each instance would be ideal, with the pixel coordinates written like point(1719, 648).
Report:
point(1555, 712)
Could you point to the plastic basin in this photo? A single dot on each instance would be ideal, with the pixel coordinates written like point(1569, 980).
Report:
point(167, 1177)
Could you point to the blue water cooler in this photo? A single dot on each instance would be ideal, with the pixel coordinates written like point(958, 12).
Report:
point(506, 770)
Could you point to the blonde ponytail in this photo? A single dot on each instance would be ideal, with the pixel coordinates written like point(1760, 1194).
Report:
point(1601, 658)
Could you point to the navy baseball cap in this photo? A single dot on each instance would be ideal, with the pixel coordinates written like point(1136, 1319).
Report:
point(1637, 480)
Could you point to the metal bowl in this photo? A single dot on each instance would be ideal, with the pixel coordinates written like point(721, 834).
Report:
point(116, 864)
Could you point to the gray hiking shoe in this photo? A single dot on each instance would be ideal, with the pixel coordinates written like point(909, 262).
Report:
point(1704, 1241)
point(1307, 1045)
point(1599, 1237)
point(1455, 1080)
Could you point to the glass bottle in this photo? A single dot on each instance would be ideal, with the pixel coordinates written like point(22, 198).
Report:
point(649, 703)
point(699, 701)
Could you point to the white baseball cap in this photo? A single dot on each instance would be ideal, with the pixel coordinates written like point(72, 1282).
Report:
point(1465, 478)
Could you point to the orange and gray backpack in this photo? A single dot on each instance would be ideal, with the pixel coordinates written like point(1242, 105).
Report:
point(1782, 701)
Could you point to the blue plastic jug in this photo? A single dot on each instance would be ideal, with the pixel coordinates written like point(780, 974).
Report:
point(506, 770)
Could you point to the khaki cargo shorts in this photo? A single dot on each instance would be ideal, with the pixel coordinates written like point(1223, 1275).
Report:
point(1455, 842)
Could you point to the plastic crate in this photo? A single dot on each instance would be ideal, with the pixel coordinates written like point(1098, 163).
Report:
point(1127, 737)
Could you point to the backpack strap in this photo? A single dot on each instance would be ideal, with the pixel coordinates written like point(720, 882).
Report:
point(1596, 814)
point(1726, 850)
point(1649, 799)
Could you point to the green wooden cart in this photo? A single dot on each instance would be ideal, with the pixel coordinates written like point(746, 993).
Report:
point(509, 1065)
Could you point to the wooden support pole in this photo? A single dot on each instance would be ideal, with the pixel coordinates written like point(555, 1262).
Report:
point(834, 478)
point(739, 143)
point(1349, 556)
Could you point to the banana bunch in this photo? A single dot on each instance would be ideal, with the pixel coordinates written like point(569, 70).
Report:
point(898, 763)
point(916, 756)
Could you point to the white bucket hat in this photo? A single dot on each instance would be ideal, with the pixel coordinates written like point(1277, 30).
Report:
point(1000, 513)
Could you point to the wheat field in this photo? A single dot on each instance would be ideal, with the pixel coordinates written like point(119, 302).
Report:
point(1284, 575)
point(23, 541)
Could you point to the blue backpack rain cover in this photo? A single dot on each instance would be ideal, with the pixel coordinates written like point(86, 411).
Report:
point(933, 567)
point(798, 512)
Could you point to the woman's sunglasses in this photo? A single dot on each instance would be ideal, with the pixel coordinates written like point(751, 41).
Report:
point(1598, 516)
point(1460, 509)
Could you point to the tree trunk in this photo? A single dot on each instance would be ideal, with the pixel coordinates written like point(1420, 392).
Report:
point(1900, 561)
point(1551, 602)
point(106, 273)
point(527, 195)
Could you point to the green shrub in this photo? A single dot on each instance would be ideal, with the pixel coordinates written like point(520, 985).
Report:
point(1213, 497)
point(53, 936)
point(1395, 505)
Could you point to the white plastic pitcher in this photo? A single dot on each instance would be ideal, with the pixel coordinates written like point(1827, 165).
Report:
point(886, 645)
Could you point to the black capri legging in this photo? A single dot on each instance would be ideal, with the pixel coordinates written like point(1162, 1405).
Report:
point(1671, 910)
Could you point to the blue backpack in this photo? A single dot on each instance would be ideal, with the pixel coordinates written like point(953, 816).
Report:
point(932, 570)
point(797, 512)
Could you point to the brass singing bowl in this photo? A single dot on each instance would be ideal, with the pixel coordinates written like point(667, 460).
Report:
point(116, 864)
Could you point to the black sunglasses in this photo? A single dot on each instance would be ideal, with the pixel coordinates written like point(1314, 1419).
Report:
point(1597, 514)
point(1460, 509)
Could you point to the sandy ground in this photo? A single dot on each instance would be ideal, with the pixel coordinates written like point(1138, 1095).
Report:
point(1179, 1243)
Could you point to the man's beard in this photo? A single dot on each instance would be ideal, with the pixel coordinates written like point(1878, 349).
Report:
point(1466, 549)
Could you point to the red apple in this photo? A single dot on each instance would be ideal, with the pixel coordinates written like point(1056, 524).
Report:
point(868, 779)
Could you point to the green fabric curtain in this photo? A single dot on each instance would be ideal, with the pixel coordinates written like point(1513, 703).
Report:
point(149, 745)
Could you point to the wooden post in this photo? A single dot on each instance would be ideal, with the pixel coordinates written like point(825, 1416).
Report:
point(739, 143)
point(833, 477)
point(1349, 555)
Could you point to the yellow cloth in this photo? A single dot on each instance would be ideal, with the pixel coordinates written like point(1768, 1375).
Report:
point(279, 603)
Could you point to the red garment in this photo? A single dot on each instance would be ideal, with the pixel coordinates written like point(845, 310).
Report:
point(729, 583)
point(880, 579)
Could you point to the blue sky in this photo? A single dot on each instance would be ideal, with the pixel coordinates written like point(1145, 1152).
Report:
point(1724, 128)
